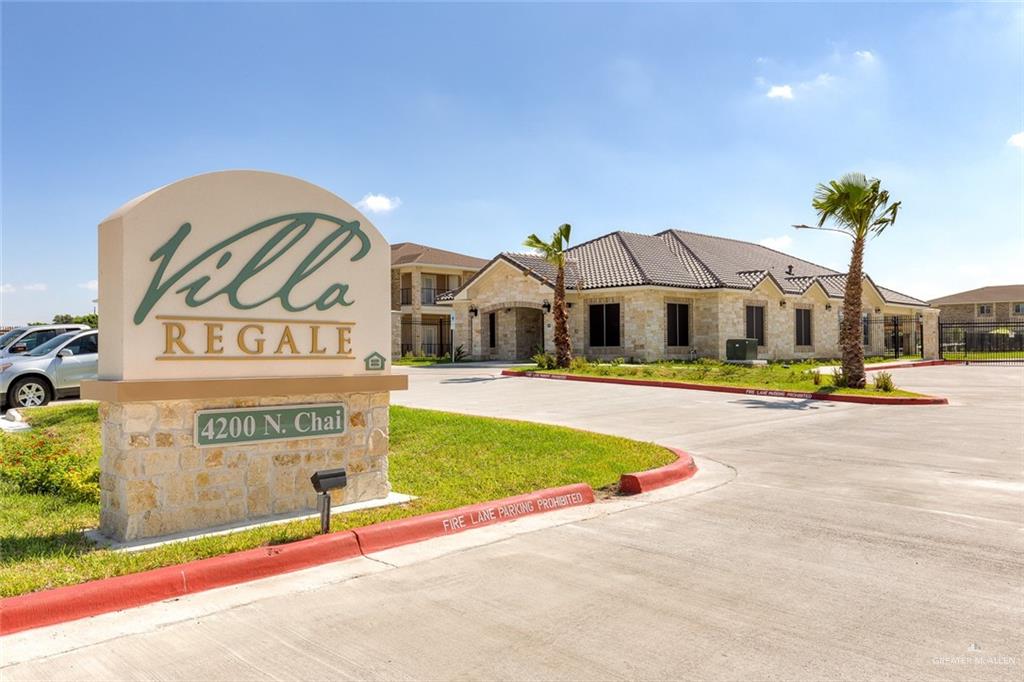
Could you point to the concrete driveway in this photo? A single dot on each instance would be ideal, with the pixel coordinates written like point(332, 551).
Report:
point(835, 541)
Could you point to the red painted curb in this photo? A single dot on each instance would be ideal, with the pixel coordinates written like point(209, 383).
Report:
point(863, 399)
point(908, 365)
point(390, 534)
point(61, 604)
point(643, 481)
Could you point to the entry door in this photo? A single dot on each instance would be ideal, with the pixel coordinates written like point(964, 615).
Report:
point(430, 339)
point(429, 284)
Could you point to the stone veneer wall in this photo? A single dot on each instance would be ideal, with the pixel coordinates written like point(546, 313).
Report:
point(715, 317)
point(154, 481)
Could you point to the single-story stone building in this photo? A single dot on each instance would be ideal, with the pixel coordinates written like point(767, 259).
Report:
point(678, 295)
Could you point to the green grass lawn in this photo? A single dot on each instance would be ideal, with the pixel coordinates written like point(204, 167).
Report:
point(446, 460)
point(776, 376)
point(984, 355)
point(413, 361)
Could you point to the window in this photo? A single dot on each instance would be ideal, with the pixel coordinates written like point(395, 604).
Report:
point(492, 330)
point(604, 325)
point(35, 339)
point(803, 327)
point(1018, 308)
point(984, 310)
point(678, 324)
point(867, 330)
point(755, 323)
point(84, 345)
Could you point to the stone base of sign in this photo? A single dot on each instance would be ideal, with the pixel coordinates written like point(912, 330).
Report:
point(155, 482)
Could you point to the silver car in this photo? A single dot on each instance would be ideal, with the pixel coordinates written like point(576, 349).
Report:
point(54, 369)
point(21, 340)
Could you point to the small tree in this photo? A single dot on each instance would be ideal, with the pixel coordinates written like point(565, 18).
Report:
point(554, 253)
point(858, 207)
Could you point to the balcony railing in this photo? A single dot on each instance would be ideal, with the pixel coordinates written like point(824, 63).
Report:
point(428, 296)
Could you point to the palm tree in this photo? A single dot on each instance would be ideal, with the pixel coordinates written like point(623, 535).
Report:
point(858, 207)
point(554, 253)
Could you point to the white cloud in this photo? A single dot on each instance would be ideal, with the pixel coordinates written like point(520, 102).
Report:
point(35, 287)
point(6, 288)
point(91, 285)
point(777, 243)
point(1016, 140)
point(865, 56)
point(780, 92)
point(378, 203)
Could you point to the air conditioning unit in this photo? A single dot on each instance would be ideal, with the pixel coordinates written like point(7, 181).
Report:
point(741, 349)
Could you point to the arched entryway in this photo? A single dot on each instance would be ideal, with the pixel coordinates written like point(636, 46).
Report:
point(513, 331)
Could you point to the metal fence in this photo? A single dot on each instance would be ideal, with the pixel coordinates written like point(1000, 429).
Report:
point(994, 341)
point(434, 338)
point(428, 295)
point(893, 336)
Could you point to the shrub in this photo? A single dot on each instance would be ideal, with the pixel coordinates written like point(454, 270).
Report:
point(884, 382)
point(604, 370)
point(838, 378)
point(816, 378)
point(50, 463)
point(579, 364)
point(460, 353)
point(618, 361)
point(545, 361)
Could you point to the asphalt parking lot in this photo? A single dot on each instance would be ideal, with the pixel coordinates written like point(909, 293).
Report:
point(841, 542)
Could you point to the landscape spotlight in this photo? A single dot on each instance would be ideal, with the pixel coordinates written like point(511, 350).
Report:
point(324, 482)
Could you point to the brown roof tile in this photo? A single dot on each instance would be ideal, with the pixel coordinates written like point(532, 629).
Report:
point(408, 253)
point(1009, 293)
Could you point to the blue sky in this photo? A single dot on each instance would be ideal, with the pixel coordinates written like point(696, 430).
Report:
point(476, 124)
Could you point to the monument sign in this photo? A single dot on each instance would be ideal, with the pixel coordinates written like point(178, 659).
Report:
point(244, 340)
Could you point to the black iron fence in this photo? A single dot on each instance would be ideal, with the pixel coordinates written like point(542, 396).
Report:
point(893, 336)
point(429, 339)
point(991, 341)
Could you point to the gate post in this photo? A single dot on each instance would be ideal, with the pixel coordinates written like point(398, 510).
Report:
point(930, 334)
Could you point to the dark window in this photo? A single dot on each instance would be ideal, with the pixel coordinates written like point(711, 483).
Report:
point(755, 323)
point(678, 324)
point(867, 330)
point(492, 330)
point(37, 338)
point(803, 327)
point(83, 345)
point(604, 325)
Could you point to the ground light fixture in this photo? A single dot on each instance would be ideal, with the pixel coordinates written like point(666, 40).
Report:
point(324, 481)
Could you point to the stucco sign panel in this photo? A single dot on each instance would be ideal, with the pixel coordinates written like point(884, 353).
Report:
point(241, 274)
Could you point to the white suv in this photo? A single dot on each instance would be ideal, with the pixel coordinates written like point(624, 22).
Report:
point(23, 339)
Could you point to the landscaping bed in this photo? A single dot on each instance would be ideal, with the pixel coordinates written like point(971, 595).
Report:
point(797, 377)
point(49, 489)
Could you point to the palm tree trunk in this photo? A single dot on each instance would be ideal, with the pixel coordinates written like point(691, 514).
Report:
point(851, 339)
point(563, 349)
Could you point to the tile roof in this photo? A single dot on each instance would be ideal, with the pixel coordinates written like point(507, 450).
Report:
point(408, 253)
point(689, 260)
point(1010, 293)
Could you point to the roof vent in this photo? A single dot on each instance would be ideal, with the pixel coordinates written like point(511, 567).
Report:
point(789, 269)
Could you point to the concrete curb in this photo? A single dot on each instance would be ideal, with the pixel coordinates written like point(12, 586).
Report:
point(58, 605)
point(644, 481)
point(862, 399)
point(908, 365)
point(61, 604)
point(381, 536)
